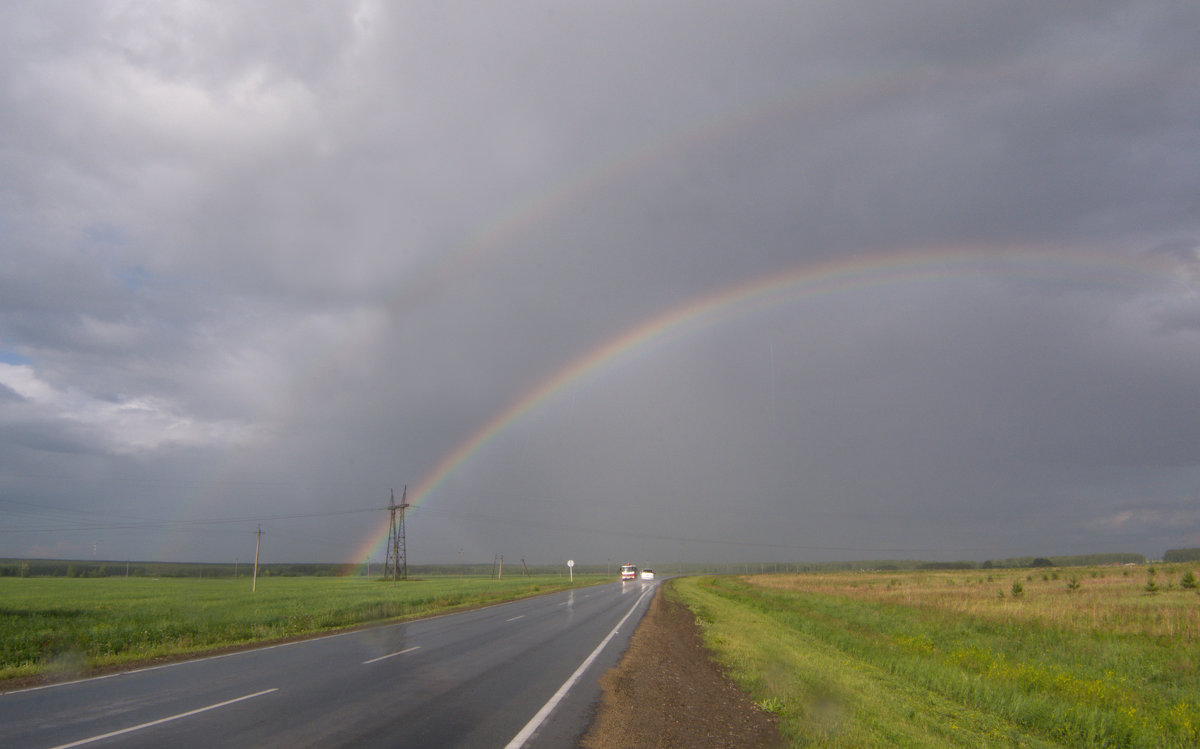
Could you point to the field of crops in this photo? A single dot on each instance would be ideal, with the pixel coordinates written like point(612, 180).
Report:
point(64, 626)
point(1103, 657)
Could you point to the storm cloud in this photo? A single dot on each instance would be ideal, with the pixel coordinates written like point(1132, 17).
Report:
point(657, 281)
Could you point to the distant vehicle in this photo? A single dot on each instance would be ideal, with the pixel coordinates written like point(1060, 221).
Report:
point(647, 574)
point(628, 572)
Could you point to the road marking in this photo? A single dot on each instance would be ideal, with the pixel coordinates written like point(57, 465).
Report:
point(522, 616)
point(391, 655)
point(131, 729)
point(536, 721)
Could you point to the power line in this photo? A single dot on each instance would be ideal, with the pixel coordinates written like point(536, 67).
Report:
point(159, 524)
point(526, 521)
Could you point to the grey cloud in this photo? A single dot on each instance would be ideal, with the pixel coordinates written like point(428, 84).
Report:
point(1186, 251)
point(296, 254)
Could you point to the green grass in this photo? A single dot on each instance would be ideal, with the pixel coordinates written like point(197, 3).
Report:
point(62, 626)
point(939, 659)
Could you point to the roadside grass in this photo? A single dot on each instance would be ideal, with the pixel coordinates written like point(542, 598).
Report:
point(954, 659)
point(64, 626)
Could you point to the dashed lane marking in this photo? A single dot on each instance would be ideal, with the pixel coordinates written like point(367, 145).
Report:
point(160, 721)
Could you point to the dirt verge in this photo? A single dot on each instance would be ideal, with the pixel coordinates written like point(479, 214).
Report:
point(667, 692)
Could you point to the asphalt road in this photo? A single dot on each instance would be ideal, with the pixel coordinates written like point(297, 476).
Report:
point(506, 675)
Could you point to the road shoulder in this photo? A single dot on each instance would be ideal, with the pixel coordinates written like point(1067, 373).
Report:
point(667, 692)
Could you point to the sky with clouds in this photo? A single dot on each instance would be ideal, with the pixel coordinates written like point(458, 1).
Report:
point(669, 281)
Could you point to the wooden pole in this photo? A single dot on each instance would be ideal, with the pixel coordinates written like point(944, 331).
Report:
point(257, 543)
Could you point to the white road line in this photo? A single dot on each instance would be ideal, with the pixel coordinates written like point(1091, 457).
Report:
point(131, 729)
point(522, 616)
point(391, 655)
point(536, 721)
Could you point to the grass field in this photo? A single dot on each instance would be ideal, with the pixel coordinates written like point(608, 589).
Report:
point(64, 626)
point(1027, 658)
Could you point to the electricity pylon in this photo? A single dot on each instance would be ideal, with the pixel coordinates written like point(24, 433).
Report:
point(397, 558)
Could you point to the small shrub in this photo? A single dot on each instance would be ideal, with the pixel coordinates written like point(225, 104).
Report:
point(1018, 590)
point(1073, 584)
point(1188, 580)
point(771, 705)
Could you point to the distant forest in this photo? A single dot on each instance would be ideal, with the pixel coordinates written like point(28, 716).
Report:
point(93, 568)
point(1182, 555)
point(1078, 560)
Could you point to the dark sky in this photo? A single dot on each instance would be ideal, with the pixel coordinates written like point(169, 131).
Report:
point(647, 281)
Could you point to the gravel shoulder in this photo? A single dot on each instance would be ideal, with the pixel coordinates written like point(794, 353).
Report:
point(667, 692)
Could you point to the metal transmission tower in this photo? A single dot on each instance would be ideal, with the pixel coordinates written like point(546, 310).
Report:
point(397, 558)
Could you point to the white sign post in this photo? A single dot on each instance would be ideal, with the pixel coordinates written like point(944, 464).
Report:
point(571, 568)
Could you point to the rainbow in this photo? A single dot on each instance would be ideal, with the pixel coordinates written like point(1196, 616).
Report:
point(803, 282)
point(814, 97)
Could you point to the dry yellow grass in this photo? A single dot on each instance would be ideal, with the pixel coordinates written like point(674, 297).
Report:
point(1110, 598)
point(1000, 657)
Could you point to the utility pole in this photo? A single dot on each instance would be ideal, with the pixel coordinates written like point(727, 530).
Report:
point(257, 543)
point(397, 556)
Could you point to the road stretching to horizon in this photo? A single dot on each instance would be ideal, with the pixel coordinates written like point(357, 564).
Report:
point(523, 673)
